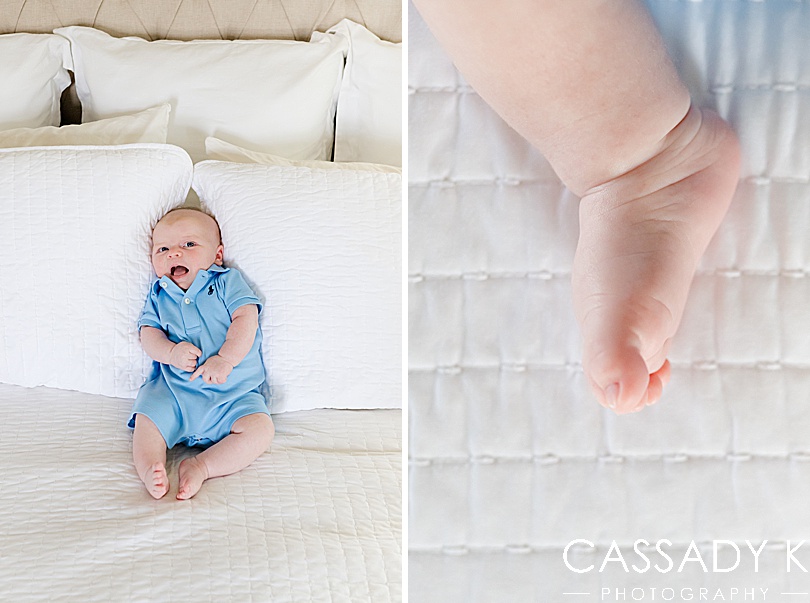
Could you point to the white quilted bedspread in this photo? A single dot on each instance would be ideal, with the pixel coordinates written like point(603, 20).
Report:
point(318, 518)
point(510, 458)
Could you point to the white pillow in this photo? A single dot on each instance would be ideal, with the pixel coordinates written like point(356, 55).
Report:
point(225, 151)
point(369, 112)
point(76, 225)
point(147, 126)
point(276, 96)
point(322, 250)
point(33, 72)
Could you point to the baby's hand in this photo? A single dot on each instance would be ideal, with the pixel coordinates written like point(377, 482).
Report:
point(184, 356)
point(214, 370)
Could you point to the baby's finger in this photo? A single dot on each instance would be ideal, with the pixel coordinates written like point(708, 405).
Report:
point(195, 351)
point(196, 373)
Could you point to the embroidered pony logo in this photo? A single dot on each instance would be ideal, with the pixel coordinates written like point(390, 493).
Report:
point(210, 289)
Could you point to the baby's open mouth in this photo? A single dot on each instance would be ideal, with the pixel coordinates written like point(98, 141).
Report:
point(179, 270)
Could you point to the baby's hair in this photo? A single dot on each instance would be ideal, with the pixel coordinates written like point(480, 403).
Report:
point(197, 209)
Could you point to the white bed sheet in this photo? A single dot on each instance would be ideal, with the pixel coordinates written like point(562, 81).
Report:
point(510, 458)
point(318, 518)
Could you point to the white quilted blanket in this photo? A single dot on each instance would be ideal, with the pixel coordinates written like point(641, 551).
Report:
point(315, 519)
point(510, 458)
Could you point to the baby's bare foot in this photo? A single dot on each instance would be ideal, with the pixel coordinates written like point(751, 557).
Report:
point(193, 473)
point(156, 480)
point(641, 237)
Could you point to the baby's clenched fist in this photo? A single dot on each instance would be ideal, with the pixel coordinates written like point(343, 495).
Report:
point(184, 356)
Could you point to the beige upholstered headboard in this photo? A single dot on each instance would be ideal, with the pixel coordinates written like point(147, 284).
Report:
point(198, 19)
point(207, 19)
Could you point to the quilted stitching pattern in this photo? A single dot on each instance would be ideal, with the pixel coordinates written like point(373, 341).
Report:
point(76, 222)
point(192, 19)
point(318, 518)
point(510, 458)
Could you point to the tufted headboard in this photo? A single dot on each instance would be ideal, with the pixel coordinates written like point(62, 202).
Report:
point(198, 19)
point(208, 19)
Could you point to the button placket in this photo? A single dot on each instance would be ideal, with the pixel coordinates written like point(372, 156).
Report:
point(191, 317)
point(188, 307)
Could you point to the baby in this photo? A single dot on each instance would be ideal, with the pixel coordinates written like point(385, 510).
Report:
point(200, 324)
point(589, 83)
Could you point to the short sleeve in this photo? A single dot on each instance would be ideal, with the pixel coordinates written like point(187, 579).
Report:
point(149, 315)
point(235, 292)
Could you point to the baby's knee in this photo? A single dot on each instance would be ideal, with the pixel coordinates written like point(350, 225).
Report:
point(258, 425)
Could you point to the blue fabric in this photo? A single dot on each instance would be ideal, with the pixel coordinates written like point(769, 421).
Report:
point(195, 412)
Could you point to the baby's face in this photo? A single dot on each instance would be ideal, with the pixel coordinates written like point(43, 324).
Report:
point(183, 243)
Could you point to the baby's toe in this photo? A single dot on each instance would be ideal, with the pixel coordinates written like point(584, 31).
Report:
point(192, 476)
point(618, 376)
point(657, 382)
point(159, 481)
point(653, 393)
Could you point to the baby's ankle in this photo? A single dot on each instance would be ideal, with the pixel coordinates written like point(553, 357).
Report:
point(701, 141)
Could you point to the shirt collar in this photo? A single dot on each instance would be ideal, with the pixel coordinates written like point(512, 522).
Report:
point(164, 282)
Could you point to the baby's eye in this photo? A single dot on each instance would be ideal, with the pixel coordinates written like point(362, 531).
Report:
point(190, 244)
point(162, 249)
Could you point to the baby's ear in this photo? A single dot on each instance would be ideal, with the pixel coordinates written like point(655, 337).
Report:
point(220, 252)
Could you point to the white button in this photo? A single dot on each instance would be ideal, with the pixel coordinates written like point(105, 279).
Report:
point(163, 284)
point(187, 300)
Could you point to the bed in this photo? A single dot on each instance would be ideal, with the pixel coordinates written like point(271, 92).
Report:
point(316, 518)
point(510, 460)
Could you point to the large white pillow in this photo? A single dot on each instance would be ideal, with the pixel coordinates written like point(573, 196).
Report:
point(76, 224)
point(225, 151)
point(369, 112)
point(322, 249)
point(33, 74)
point(275, 96)
point(146, 126)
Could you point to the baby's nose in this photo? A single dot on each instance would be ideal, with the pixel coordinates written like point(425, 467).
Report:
point(175, 252)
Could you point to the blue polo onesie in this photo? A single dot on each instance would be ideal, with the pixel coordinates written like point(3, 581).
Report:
point(195, 412)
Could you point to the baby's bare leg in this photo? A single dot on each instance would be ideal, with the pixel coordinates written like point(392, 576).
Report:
point(589, 83)
point(149, 454)
point(250, 436)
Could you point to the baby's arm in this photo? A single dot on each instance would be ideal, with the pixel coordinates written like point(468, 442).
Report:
point(181, 355)
point(241, 333)
point(156, 344)
point(238, 341)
